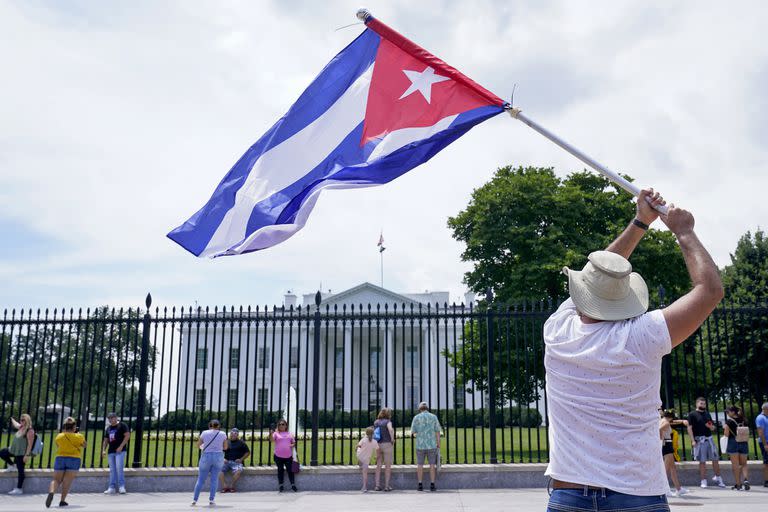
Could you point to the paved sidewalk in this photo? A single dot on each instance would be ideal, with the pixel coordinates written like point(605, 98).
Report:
point(523, 500)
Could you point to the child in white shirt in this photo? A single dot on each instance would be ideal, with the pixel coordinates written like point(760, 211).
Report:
point(365, 448)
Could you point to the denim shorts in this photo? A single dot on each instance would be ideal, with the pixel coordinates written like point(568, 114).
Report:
point(733, 447)
point(230, 465)
point(576, 500)
point(66, 464)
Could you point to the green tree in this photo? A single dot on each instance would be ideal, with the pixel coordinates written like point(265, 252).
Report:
point(743, 323)
point(520, 229)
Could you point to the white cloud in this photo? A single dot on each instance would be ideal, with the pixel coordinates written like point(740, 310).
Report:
point(120, 125)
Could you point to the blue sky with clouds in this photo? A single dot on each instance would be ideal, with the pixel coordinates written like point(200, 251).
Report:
point(118, 120)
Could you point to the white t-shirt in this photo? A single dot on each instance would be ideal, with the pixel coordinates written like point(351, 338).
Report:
point(603, 383)
point(213, 441)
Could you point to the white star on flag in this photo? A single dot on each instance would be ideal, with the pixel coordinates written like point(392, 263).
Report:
point(422, 82)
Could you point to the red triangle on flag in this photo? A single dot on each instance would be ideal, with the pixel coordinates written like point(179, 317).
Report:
point(406, 92)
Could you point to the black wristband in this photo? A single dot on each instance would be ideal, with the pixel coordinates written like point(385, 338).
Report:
point(640, 224)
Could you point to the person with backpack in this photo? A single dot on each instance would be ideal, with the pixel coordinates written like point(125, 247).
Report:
point(66, 465)
point(365, 448)
point(20, 451)
point(384, 434)
point(212, 443)
point(737, 431)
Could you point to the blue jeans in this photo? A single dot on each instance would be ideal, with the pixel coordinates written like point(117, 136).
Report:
point(210, 464)
point(576, 500)
point(116, 466)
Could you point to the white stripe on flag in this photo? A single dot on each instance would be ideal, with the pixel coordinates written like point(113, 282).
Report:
point(289, 161)
point(272, 235)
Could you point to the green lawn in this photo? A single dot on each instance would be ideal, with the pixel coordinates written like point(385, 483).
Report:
point(458, 446)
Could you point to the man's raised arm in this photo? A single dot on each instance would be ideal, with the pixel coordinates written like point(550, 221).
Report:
point(687, 313)
point(646, 214)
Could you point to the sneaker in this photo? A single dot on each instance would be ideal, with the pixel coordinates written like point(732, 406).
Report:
point(765, 484)
point(16, 491)
point(704, 483)
point(736, 488)
point(746, 485)
point(122, 489)
point(111, 490)
point(211, 503)
point(194, 503)
point(719, 481)
point(672, 493)
point(364, 489)
point(280, 489)
point(48, 500)
point(420, 487)
point(294, 489)
point(432, 487)
point(63, 504)
point(683, 491)
point(11, 468)
point(232, 489)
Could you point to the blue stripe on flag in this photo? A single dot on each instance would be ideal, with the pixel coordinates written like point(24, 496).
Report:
point(346, 163)
point(330, 84)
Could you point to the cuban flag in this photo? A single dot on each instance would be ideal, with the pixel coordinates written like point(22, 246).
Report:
point(381, 107)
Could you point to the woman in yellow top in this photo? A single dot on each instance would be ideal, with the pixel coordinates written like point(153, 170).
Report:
point(69, 444)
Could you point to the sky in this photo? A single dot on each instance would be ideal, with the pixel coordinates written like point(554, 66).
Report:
point(118, 120)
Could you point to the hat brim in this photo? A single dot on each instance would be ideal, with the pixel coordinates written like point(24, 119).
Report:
point(589, 304)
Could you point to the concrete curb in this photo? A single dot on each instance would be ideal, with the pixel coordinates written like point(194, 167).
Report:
point(335, 478)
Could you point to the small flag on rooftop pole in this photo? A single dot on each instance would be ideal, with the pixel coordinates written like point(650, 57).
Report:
point(381, 243)
point(381, 107)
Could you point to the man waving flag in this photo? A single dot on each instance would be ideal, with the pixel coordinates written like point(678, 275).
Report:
point(381, 107)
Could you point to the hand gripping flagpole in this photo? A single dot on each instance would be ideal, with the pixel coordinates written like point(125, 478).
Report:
point(365, 15)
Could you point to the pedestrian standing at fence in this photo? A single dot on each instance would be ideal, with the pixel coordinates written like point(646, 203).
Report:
point(212, 443)
point(666, 424)
point(116, 437)
point(761, 423)
point(284, 443)
point(69, 444)
point(700, 428)
point(365, 449)
point(737, 431)
point(426, 428)
point(385, 455)
point(18, 454)
point(603, 353)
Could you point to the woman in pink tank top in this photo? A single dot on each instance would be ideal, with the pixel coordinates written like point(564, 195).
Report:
point(284, 443)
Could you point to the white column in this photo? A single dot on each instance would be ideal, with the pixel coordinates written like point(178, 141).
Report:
point(391, 361)
point(348, 368)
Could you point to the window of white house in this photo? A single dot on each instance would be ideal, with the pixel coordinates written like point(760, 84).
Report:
point(338, 398)
point(339, 357)
point(412, 396)
point(201, 359)
point(262, 396)
point(295, 357)
point(374, 357)
point(459, 395)
point(412, 356)
point(264, 357)
point(232, 399)
point(200, 400)
point(234, 358)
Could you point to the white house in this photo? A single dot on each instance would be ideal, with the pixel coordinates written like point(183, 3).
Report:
point(377, 348)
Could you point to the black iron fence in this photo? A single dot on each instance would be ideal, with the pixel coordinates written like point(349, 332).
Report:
point(329, 369)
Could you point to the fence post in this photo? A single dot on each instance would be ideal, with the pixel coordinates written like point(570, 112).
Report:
point(316, 382)
point(490, 346)
point(143, 377)
point(666, 366)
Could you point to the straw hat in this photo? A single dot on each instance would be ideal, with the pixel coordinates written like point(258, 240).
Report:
point(607, 289)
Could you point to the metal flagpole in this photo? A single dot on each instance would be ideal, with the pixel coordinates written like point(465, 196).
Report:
point(611, 175)
point(381, 254)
